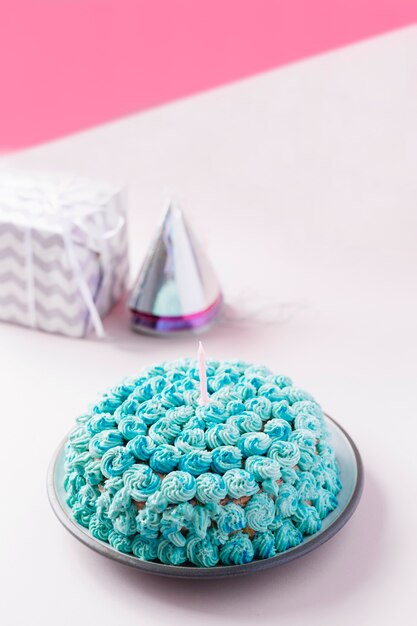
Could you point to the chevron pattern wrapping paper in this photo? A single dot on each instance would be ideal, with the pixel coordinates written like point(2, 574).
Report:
point(47, 251)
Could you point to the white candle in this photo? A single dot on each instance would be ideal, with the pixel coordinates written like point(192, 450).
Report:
point(203, 375)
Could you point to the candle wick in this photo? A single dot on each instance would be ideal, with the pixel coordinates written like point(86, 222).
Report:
point(202, 370)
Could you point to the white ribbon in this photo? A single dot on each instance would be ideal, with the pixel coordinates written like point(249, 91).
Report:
point(61, 221)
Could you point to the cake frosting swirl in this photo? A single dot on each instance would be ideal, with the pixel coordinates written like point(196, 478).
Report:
point(156, 474)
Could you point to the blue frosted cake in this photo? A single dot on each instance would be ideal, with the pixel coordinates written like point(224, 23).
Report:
point(156, 474)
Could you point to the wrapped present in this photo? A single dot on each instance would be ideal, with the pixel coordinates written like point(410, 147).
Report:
point(63, 251)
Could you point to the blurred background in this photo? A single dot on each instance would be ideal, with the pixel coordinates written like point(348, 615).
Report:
point(67, 65)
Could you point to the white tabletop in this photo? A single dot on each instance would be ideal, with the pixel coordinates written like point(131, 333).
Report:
point(301, 183)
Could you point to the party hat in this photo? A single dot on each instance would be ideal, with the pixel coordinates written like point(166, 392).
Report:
point(176, 289)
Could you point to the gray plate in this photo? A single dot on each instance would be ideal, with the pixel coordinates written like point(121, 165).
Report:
point(351, 471)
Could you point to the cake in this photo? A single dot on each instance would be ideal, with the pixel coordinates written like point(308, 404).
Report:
point(157, 474)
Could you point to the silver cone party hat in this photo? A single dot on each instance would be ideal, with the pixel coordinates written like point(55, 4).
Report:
point(176, 289)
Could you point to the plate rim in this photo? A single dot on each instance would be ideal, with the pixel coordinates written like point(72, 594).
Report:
point(218, 571)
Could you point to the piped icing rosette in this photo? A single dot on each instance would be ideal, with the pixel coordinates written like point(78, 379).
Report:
point(156, 474)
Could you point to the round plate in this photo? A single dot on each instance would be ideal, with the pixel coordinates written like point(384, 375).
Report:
point(351, 475)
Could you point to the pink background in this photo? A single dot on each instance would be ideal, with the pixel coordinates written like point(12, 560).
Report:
point(66, 65)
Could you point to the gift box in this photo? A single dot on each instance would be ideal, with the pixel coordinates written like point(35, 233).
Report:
point(63, 251)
